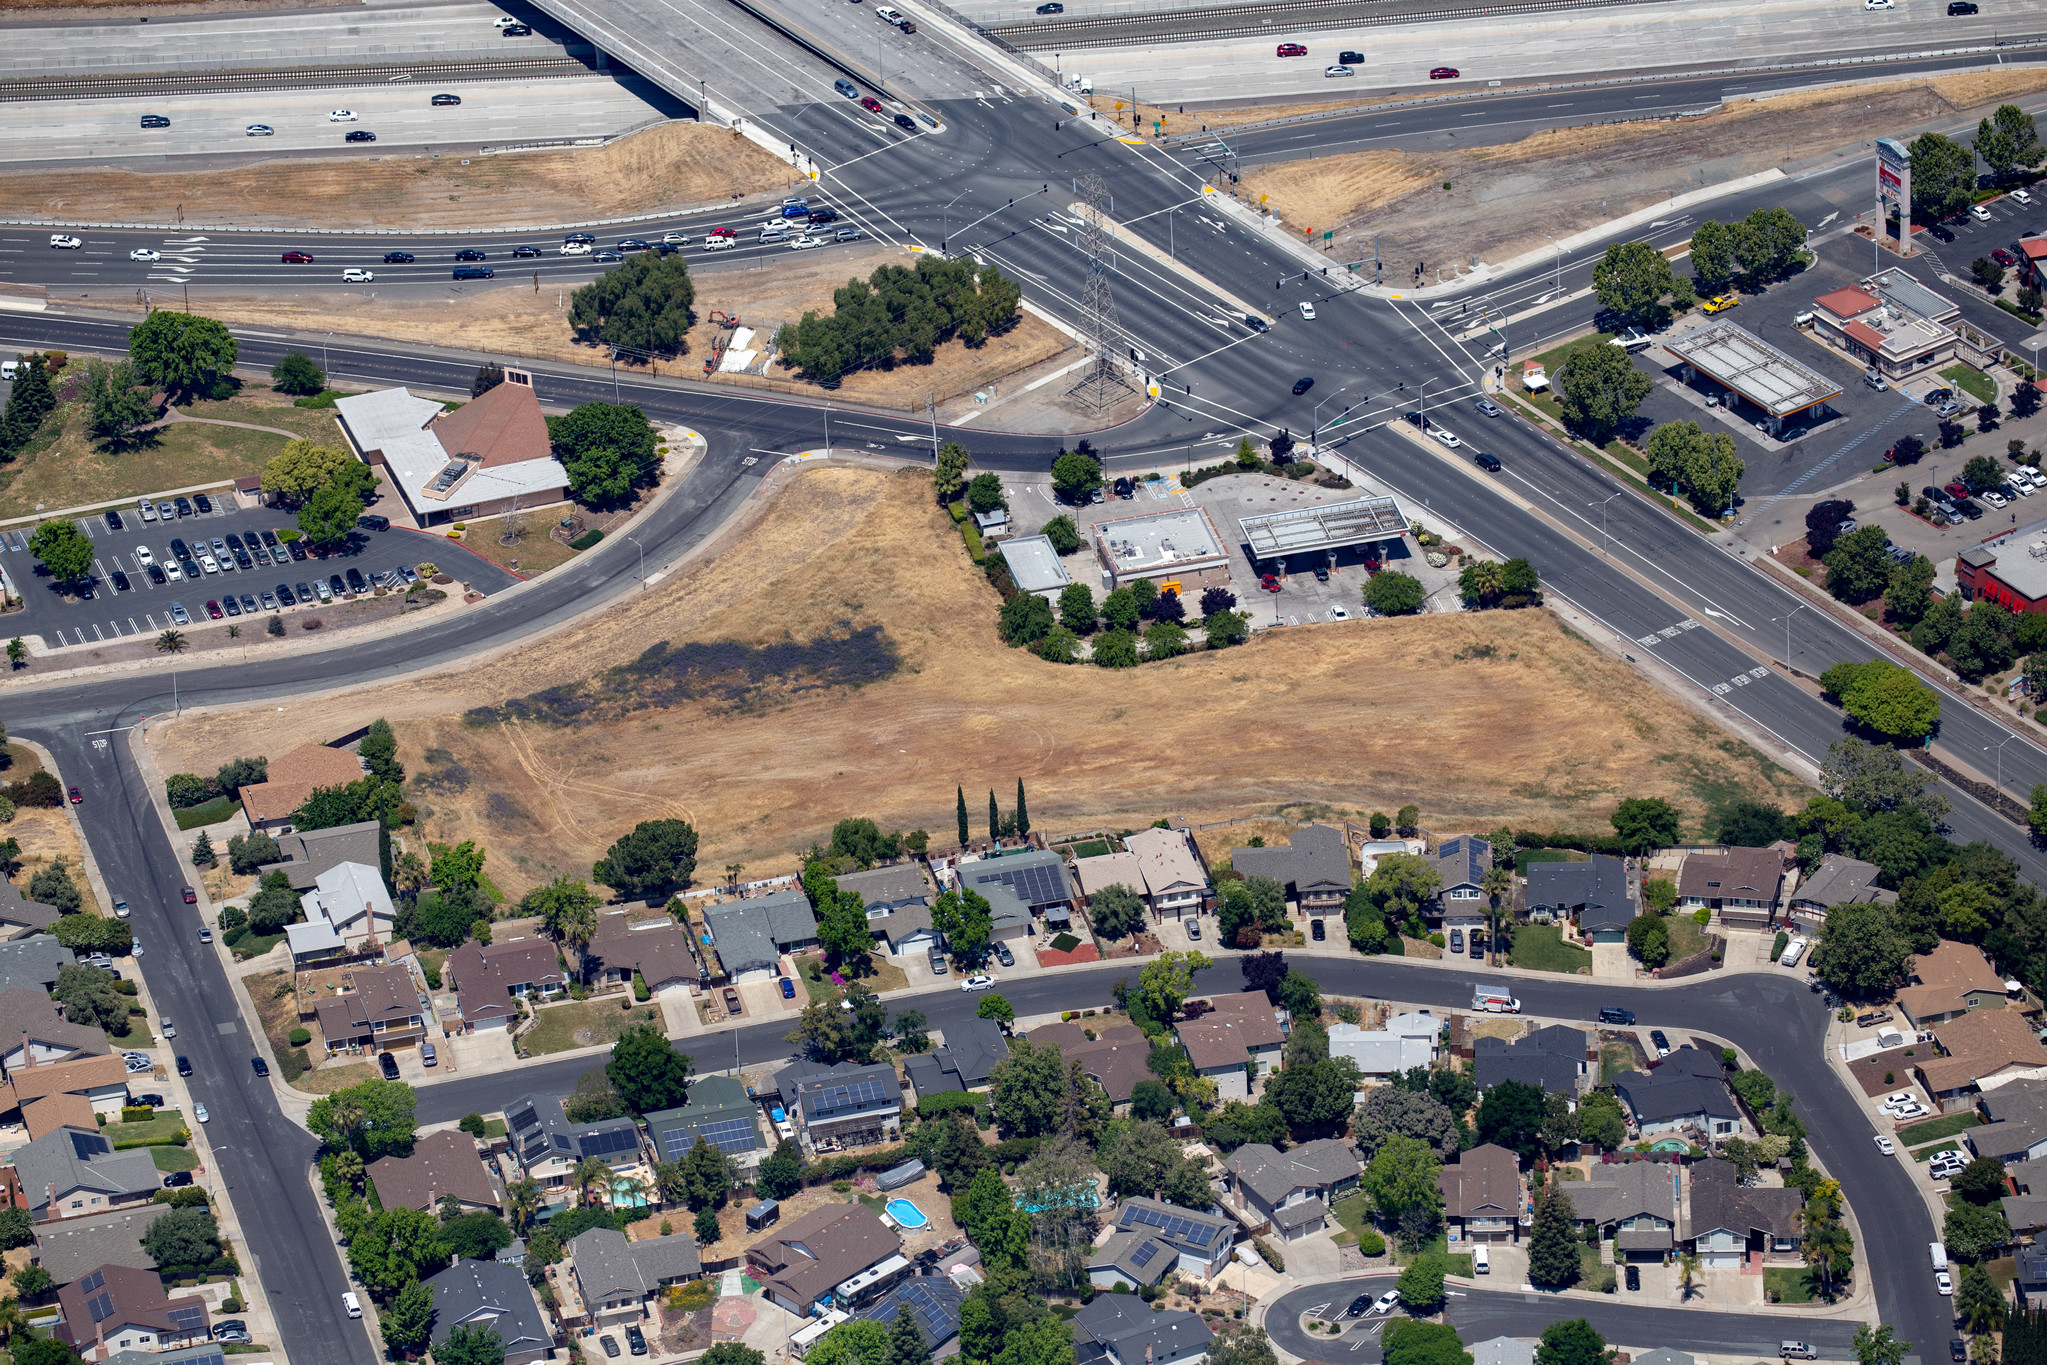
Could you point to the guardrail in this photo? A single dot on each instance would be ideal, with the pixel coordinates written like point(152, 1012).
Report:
point(1146, 27)
point(284, 78)
point(825, 52)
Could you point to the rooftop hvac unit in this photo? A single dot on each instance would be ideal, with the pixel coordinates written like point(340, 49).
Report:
point(2038, 549)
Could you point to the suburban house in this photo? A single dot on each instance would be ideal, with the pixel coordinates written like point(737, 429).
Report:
point(102, 1081)
point(20, 916)
point(120, 1308)
point(837, 1256)
point(76, 1170)
point(291, 778)
point(969, 1055)
point(2030, 1284)
point(380, 1011)
point(72, 1248)
point(490, 456)
point(1116, 1058)
point(844, 1105)
point(752, 935)
point(2027, 1215)
point(618, 1279)
point(1202, 1241)
point(1314, 867)
point(1137, 1259)
point(348, 914)
point(1594, 895)
point(1503, 1351)
point(1985, 1049)
point(1235, 1031)
point(934, 1304)
point(719, 1111)
point(2017, 1124)
point(1462, 863)
point(657, 950)
point(1482, 1195)
point(1159, 865)
point(1744, 881)
point(898, 901)
point(1838, 880)
point(34, 1032)
point(1294, 1189)
point(495, 1295)
point(1122, 1329)
point(1034, 878)
point(51, 1112)
point(210, 1353)
point(489, 981)
point(548, 1147)
point(32, 961)
point(308, 853)
point(1729, 1222)
point(1636, 1203)
point(1407, 1041)
point(442, 1165)
point(1687, 1092)
point(1557, 1058)
point(1949, 982)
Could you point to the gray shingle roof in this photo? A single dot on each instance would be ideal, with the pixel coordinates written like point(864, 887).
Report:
point(309, 853)
point(1463, 861)
point(1121, 1254)
point(751, 934)
point(71, 1159)
point(32, 961)
point(1037, 878)
point(1552, 1058)
point(495, 1295)
point(1840, 879)
point(608, 1266)
point(1126, 1325)
point(934, 1302)
point(26, 1010)
point(1272, 1174)
point(1596, 891)
point(17, 908)
point(1678, 1089)
point(1720, 1200)
point(888, 887)
point(1625, 1189)
point(716, 1105)
point(71, 1247)
point(1315, 858)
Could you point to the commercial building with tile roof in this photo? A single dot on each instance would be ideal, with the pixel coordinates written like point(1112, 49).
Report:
point(1594, 895)
point(1132, 1334)
point(618, 1278)
point(843, 1253)
point(1726, 1222)
point(381, 1010)
point(1948, 982)
point(1482, 1194)
point(442, 1164)
point(488, 981)
point(495, 1295)
point(1688, 1091)
point(1985, 1049)
point(658, 949)
point(751, 935)
point(1557, 1058)
point(71, 1248)
point(308, 853)
point(1294, 1189)
point(1313, 865)
point(291, 778)
point(119, 1308)
point(486, 458)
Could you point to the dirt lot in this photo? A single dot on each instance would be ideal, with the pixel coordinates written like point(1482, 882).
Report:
point(1504, 199)
point(761, 770)
point(47, 835)
point(672, 166)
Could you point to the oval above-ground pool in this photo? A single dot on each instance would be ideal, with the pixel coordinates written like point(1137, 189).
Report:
point(906, 1213)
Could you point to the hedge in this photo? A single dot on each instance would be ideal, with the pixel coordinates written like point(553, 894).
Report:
point(948, 1102)
point(211, 813)
point(587, 539)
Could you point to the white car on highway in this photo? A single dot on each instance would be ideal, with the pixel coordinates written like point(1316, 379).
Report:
point(64, 241)
point(1446, 436)
point(143, 253)
point(357, 275)
point(675, 238)
point(505, 21)
point(576, 248)
point(806, 242)
point(341, 116)
point(1308, 311)
point(259, 130)
point(1337, 72)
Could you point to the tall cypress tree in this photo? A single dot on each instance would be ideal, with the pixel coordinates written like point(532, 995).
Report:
point(905, 1344)
point(1552, 1248)
point(27, 405)
point(1023, 814)
point(963, 816)
point(994, 817)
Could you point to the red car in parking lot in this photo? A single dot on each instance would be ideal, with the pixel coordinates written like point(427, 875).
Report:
point(2004, 258)
point(1444, 73)
point(1269, 582)
point(1956, 488)
point(213, 608)
point(1292, 50)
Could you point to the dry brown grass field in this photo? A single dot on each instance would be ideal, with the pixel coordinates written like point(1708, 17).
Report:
point(1479, 719)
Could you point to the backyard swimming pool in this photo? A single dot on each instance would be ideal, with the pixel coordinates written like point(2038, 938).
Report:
point(907, 1214)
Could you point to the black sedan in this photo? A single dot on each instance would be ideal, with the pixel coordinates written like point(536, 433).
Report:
point(1302, 385)
point(1489, 463)
point(1358, 1306)
point(398, 258)
point(261, 1067)
point(442, 101)
point(360, 135)
point(607, 255)
point(521, 252)
point(632, 244)
point(470, 253)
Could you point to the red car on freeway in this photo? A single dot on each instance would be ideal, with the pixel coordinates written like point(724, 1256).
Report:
point(1292, 50)
point(1444, 73)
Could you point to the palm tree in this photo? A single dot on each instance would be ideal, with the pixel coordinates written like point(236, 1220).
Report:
point(631, 1190)
point(524, 1197)
point(1499, 880)
point(170, 642)
point(591, 1173)
point(1688, 1273)
point(1480, 581)
point(1827, 1249)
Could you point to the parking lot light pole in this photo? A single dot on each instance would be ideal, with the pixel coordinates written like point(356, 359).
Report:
point(1602, 520)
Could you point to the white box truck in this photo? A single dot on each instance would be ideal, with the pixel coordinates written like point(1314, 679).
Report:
point(1488, 1001)
point(1939, 1254)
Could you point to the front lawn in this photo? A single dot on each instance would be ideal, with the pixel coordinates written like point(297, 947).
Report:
point(1355, 1213)
point(1687, 939)
point(557, 1028)
point(167, 1127)
point(210, 813)
point(1971, 381)
point(255, 945)
point(1788, 1284)
point(1614, 1058)
point(1945, 1126)
point(1541, 948)
point(169, 1159)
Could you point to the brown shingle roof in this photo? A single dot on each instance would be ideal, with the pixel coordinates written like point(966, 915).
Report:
point(441, 1164)
point(132, 1298)
point(1118, 1057)
point(1981, 1043)
point(295, 776)
point(1253, 1015)
point(1213, 1043)
point(483, 977)
point(52, 1112)
point(1732, 874)
point(842, 1240)
point(1484, 1182)
point(1945, 976)
point(659, 954)
point(502, 427)
point(78, 1075)
point(28, 1011)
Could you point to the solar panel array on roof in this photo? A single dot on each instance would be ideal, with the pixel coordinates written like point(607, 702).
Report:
point(832, 1099)
point(89, 1145)
point(101, 1306)
point(934, 1302)
point(190, 1319)
point(523, 1119)
point(1033, 885)
point(727, 1135)
point(1142, 1256)
point(609, 1140)
point(96, 1280)
point(1172, 1225)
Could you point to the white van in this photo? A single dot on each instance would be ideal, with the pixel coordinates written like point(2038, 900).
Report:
point(720, 243)
point(1480, 1264)
point(9, 369)
point(1937, 1253)
point(352, 1304)
point(1793, 951)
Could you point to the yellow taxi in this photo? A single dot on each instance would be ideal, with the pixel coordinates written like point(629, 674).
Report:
point(1720, 303)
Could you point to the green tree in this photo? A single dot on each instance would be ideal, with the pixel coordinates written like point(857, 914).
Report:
point(647, 1071)
point(304, 467)
point(859, 1341)
point(644, 304)
point(1571, 1342)
point(2006, 141)
point(475, 1236)
point(1077, 608)
point(395, 1247)
point(995, 1007)
point(1421, 1285)
point(780, 1174)
point(1861, 951)
point(88, 997)
point(961, 793)
point(1943, 176)
point(950, 474)
point(1392, 593)
point(1602, 1121)
point(1410, 1341)
point(609, 449)
point(1982, 1181)
point(1649, 940)
point(468, 1344)
point(1164, 640)
point(1643, 823)
point(1879, 1346)
point(1075, 476)
point(63, 549)
point(1030, 1088)
point(1770, 243)
point(297, 374)
point(117, 407)
point(1713, 255)
point(1858, 567)
point(1226, 628)
point(328, 515)
point(984, 493)
point(1703, 463)
point(408, 1322)
point(1886, 697)
point(41, 1351)
point(1910, 594)
point(1116, 912)
point(373, 1118)
point(1978, 1300)
point(842, 928)
point(181, 353)
point(1064, 534)
point(27, 405)
point(1151, 1100)
point(1116, 649)
point(1025, 619)
point(1600, 388)
point(653, 862)
point(17, 1229)
point(965, 919)
point(1631, 280)
point(32, 1281)
point(1401, 884)
point(1168, 979)
point(1401, 1182)
point(1975, 1232)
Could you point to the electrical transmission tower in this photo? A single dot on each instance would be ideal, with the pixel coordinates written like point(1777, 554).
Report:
point(1103, 379)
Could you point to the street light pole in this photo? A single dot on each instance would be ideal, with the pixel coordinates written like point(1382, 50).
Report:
point(2000, 762)
point(643, 561)
point(1602, 520)
point(1787, 631)
point(1559, 285)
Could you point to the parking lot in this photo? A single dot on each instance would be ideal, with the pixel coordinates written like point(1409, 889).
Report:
point(131, 590)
